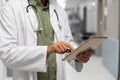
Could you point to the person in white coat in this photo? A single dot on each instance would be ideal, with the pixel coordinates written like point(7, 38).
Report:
point(18, 36)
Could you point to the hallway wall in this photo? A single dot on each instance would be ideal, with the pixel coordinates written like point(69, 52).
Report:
point(112, 25)
point(110, 50)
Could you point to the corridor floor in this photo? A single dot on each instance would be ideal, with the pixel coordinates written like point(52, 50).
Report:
point(93, 70)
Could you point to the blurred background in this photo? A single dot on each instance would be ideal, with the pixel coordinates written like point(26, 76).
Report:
point(88, 18)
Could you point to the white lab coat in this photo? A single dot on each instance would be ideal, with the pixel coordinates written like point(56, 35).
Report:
point(2, 2)
point(18, 49)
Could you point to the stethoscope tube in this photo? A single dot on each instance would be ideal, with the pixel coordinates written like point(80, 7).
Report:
point(56, 14)
point(33, 6)
point(30, 5)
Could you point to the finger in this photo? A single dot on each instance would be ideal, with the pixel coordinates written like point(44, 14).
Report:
point(64, 48)
point(79, 56)
point(89, 52)
point(61, 47)
point(82, 56)
point(68, 46)
point(87, 55)
point(83, 60)
point(57, 50)
point(68, 50)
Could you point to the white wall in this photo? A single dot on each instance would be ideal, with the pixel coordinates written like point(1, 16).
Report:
point(110, 51)
point(112, 24)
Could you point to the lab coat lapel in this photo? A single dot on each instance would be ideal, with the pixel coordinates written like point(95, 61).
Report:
point(31, 23)
point(54, 23)
point(58, 37)
point(31, 15)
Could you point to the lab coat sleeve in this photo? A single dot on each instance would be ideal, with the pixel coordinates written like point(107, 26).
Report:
point(68, 38)
point(24, 58)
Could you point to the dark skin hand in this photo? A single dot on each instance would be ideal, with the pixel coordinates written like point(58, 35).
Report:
point(85, 56)
point(61, 47)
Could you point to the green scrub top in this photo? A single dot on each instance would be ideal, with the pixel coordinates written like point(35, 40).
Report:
point(45, 36)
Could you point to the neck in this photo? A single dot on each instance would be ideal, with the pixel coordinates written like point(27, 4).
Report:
point(43, 3)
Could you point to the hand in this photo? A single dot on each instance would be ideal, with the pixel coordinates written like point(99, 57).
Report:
point(59, 47)
point(85, 56)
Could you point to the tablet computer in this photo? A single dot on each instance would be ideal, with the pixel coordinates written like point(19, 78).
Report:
point(92, 42)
